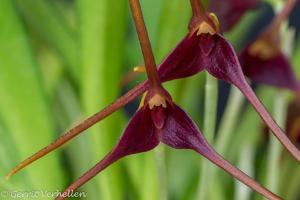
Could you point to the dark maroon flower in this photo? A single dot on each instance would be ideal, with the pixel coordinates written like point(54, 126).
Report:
point(203, 48)
point(159, 119)
point(206, 49)
point(274, 71)
point(263, 60)
point(230, 11)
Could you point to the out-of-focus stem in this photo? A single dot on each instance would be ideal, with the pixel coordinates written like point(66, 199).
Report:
point(210, 113)
point(228, 122)
point(161, 166)
point(275, 148)
point(283, 14)
point(246, 159)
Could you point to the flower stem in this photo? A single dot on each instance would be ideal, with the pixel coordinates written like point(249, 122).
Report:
point(210, 113)
point(145, 43)
point(197, 8)
point(75, 131)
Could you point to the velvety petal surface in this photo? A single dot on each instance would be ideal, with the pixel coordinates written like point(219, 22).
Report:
point(181, 132)
point(275, 71)
point(139, 136)
point(229, 12)
point(183, 61)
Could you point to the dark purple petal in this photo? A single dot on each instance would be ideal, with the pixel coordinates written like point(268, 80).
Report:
point(183, 61)
point(223, 64)
point(275, 71)
point(139, 136)
point(181, 132)
point(229, 12)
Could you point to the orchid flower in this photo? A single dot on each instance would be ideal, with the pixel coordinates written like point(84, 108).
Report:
point(204, 48)
point(263, 60)
point(159, 119)
point(231, 11)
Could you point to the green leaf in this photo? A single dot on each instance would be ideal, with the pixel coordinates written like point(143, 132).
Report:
point(45, 20)
point(23, 106)
point(102, 35)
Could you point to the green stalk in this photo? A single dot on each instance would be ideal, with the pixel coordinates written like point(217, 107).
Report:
point(210, 113)
point(275, 148)
point(228, 123)
point(246, 164)
point(24, 108)
point(45, 20)
point(162, 172)
point(102, 37)
point(293, 187)
point(229, 120)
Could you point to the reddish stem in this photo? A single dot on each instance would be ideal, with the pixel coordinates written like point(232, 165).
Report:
point(197, 8)
point(145, 44)
point(100, 166)
point(238, 174)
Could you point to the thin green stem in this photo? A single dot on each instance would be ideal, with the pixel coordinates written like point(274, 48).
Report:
point(161, 168)
point(275, 148)
point(228, 122)
point(245, 163)
point(283, 14)
point(210, 113)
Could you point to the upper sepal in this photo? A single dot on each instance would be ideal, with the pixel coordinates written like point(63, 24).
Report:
point(181, 132)
point(183, 61)
point(221, 60)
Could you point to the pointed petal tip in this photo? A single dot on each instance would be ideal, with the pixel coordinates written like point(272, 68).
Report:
point(218, 160)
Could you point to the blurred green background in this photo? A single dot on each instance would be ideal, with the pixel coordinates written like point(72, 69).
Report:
point(63, 60)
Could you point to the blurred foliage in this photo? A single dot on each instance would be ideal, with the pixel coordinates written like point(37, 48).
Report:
point(63, 60)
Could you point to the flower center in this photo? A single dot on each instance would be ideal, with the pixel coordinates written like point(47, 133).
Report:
point(156, 101)
point(263, 49)
point(211, 25)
